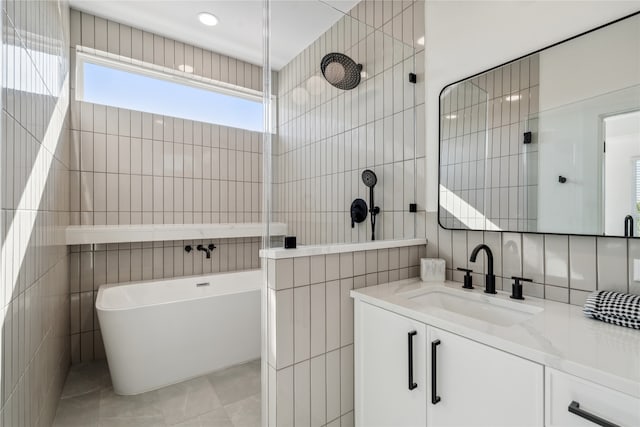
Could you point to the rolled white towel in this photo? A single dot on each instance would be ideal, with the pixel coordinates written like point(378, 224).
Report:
point(614, 307)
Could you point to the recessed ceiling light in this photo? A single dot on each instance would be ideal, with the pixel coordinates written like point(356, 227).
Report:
point(451, 116)
point(208, 19)
point(512, 98)
point(185, 68)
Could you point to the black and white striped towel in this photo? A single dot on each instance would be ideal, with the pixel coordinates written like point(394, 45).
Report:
point(614, 307)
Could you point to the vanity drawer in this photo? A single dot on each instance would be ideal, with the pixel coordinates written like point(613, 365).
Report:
point(609, 405)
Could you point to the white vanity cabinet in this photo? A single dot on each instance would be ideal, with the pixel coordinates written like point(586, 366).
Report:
point(476, 385)
point(572, 401)
point(385, 396)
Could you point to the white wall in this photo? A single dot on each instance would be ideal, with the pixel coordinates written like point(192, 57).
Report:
point(598, 63)
point(467, 37)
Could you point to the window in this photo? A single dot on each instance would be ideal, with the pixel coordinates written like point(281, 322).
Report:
point(109, 82)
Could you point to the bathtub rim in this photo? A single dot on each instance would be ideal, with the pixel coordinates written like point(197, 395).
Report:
point(149, 282)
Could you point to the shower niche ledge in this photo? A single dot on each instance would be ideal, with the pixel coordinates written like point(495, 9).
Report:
point(92, 234)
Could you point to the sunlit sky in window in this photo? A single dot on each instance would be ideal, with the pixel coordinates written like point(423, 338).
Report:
point(123, 89)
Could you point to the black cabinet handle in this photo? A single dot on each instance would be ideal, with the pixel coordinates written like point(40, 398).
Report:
point(412, 385)
point(434, 393)
point(574, 408)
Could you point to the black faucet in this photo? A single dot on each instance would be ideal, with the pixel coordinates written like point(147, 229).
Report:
point(206, 249)
point(490, 282)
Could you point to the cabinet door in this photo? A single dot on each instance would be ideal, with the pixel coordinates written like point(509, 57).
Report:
point(382, 369)
point(586, 399)
point(481, 386)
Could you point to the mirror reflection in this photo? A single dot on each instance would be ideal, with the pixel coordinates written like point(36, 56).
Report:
point(547, 143)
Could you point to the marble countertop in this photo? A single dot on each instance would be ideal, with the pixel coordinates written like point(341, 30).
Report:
point(560, 336)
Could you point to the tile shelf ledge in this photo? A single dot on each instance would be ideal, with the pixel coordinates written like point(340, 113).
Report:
point(336, 248)
point(93, 234)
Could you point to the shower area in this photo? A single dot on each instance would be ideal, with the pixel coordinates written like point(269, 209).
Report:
point(196, 150)
point(346, 104)
point(345, 174)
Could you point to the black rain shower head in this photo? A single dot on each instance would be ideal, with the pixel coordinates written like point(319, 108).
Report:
point(341, 71)
point(369, 178)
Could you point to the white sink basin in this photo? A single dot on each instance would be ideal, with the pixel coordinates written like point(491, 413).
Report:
point(490, 309)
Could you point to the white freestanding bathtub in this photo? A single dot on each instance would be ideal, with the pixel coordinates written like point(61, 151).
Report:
point(163, 332)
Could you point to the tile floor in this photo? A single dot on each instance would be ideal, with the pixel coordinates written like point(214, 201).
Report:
point(228, 398)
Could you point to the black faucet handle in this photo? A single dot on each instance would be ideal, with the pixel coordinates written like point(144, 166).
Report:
point(516, 287)
point(468, 279)
point(211, 246)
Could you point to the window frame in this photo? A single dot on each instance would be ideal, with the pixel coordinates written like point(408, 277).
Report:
point(91, 56)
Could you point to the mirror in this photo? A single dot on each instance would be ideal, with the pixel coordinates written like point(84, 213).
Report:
point(549, 142)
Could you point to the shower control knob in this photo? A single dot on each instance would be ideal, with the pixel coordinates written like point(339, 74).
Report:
point(358, 212)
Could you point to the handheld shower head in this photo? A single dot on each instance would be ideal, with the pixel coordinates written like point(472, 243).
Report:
point(369, 178)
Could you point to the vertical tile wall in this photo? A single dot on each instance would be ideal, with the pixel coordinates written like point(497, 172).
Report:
point(310, 330)
point(93, 265)
point(131, 167)
point(563, 268)
point(488, 176)
point(327, 136)
point(34, 207)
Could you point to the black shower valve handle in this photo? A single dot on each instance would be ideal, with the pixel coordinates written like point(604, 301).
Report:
point(358, 212)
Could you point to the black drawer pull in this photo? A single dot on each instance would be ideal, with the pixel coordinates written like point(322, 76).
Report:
point(412, 385)
point(434, 393)
point(574, 408)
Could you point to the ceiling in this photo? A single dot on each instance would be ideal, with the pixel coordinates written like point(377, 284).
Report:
point(294, 24)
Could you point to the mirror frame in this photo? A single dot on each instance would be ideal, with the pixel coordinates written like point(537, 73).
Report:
point(491, 69)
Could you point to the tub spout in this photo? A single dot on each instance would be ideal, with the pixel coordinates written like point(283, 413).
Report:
point(207, 249)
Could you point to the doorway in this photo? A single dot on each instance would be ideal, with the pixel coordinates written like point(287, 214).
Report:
point(622, 172)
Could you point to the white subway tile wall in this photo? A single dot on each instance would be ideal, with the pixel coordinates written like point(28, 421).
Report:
point(34, 159)
point(328, 136)
point(131, 167)
point(488, 176)
point(311, 330)
point(563, 268)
